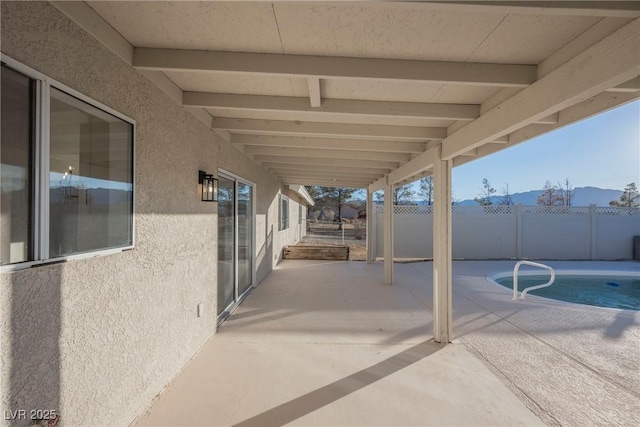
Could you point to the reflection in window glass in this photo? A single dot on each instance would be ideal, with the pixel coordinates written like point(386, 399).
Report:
point(226, 243)
point(16, 170)
point(284, 212)
point(245, 237)
point(91, 178)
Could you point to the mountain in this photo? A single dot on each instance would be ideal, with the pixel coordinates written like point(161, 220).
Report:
point(583, 196)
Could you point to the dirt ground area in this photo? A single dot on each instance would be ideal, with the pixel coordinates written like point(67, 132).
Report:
point(330, 233)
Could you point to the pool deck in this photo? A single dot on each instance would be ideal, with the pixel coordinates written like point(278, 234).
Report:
point(327, 343)
point(572, 364)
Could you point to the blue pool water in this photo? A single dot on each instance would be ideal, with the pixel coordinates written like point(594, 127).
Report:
point(611, 291)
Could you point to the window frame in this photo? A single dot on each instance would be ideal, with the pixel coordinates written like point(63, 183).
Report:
point(41, 168)
point(281, 199)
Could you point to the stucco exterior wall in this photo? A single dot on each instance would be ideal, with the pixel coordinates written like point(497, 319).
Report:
point(97, 339)
point(295, 231)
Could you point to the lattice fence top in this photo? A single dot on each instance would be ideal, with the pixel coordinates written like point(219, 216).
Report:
point(468, 210)
point(483, 210)
point(408, 209)
point(556, 210)
point(412, 210)
point(611, 210)
point(511, 210)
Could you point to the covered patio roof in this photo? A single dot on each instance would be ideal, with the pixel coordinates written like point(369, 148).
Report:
point(376, 94)
point(362, 94)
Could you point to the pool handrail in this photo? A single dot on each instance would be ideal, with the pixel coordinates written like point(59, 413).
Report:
point(530, 288)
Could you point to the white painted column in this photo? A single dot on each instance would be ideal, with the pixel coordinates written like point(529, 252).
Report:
point(592, 231)
point(371, 229)
point(519, 231)
point(388, 234)
point(442, 307)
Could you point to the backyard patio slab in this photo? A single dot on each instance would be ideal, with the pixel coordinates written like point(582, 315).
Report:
point(327, 343)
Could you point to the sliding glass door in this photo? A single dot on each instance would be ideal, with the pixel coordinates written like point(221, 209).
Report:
point(245, 237)
point(226, 243)
point(235, 241)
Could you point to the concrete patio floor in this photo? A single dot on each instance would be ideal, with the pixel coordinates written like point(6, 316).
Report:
point(327, 343)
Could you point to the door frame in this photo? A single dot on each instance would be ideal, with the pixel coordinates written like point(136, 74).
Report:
point(238, 298)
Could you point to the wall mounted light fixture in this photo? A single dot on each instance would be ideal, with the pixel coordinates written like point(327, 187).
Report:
point(209, 187)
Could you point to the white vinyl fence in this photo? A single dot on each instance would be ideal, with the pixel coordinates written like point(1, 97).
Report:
point(534, 232)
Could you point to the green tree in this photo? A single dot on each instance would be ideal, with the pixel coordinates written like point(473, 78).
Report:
point(485, 197)
point(313, 191)
point(334, 197)
point(426, 189)
point(630, 197)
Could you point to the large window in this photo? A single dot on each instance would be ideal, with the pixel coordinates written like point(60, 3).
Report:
point(16, 169)
point(90, 178)
point(283, 213)
point(67, 171)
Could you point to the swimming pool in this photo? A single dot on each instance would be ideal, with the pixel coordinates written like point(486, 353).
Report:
point(596, 288)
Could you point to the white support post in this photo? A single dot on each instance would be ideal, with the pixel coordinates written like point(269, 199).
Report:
point(375, 235)
point(388, 234)
point(371, 230)
point(592, 231)
point(519, 231)
point(442, 306)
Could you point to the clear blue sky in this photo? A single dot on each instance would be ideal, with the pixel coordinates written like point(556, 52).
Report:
point(602, 151)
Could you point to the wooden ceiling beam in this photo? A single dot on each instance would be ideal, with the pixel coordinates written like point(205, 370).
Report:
point(334, 67)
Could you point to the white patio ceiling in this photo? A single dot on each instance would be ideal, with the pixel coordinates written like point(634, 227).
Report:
point(359, 94)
